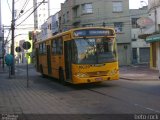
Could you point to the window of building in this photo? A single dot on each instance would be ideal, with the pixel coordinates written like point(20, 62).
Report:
point(117, 6)
point(87, 8)
point(75, 11)
point(64, 18)
point(87, 25)
point(50, 26)
point(134, 23)
point(118, 27)
point(134, 38)
point(67, 15)
point(134, 50)
point(60, 20)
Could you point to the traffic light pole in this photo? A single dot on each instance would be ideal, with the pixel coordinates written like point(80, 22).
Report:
point(12, 46)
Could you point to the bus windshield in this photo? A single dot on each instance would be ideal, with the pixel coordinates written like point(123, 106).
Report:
point(93, 50)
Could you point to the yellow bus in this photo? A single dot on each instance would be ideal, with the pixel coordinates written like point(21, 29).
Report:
point(81, 55)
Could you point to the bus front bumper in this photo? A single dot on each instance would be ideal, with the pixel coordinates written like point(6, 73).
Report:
point(78, 80)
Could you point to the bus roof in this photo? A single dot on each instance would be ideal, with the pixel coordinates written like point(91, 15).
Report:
point(74, 29)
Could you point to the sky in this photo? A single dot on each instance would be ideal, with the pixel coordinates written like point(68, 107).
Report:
point(54, 7)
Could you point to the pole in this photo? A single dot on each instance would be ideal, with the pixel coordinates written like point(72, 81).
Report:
point(27, 75)
point(3, 49)
point(48, 8)
point(9, 71)
point(155, 15)
point(35, 15)
point(12, 47)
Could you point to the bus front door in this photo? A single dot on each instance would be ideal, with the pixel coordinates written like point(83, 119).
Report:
point(49, 59)
point(68, 60)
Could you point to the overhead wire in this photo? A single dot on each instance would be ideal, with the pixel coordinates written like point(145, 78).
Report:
point(16, 1)
point(23, 8)
point(6, 41)
point(25, 5)
point(24, 13)
point(9, 6)
point(30, 14)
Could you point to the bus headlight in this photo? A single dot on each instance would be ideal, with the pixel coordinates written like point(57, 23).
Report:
point(112, 72)
point(82, 75)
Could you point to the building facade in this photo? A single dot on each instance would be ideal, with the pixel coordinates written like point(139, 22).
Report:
point(140, 49)
point(85, 13)
point(49, 28)
point(41, 13)
point(153, 33)
point(53, 25)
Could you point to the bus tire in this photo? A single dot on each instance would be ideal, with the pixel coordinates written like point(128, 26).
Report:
point(61, 76)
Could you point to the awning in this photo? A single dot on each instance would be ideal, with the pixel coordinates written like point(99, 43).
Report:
point(153, 38)
point(143, 36)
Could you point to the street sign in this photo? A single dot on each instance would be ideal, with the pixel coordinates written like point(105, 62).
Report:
point(26, 45)
point(9, 59)
point(18, 49)
point(145, 21)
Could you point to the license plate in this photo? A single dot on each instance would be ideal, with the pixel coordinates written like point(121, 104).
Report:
point(98, 79)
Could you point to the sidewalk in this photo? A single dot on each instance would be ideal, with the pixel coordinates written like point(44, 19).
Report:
point(3, 70)
point(138, 73)
point(131, 72)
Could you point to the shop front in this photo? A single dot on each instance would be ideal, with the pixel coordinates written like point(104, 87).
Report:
point(154, 41)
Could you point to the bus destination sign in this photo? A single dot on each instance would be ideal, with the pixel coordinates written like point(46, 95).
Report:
point(93, 32)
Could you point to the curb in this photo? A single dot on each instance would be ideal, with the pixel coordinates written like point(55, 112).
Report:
point(133, 79)
point(1, 72)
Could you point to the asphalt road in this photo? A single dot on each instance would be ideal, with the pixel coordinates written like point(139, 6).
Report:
point(48, 96)
point(113, 97)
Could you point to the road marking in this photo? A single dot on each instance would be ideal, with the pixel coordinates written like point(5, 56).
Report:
point(157, 111)
point(19, 69)
point(135, 104)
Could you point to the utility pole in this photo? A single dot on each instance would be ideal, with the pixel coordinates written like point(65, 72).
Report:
point(3, 49)
point(155, 15)
point(12, 46)
point(48, 8)
point(35, 15)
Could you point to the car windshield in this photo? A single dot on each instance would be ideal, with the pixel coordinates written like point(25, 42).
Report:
point(93, 50)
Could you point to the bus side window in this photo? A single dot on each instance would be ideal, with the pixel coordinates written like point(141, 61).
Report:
point(44, 48)
point(60, 46)
point(57, 46)
point(54, 46)
point(40, 48)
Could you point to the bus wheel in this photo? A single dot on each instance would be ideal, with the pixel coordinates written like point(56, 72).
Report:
point(61, 77)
